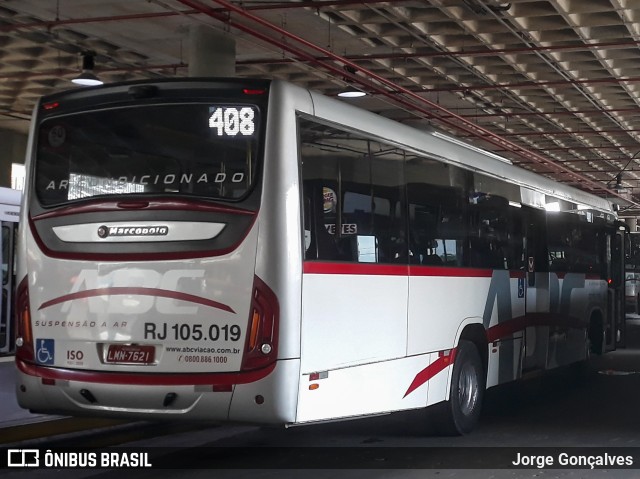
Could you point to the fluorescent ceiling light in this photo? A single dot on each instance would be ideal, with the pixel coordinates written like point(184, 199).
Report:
point(87, 77)
point(352, 94)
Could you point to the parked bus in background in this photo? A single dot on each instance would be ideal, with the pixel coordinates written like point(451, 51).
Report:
point(253, 251)
point(9, 215)
point(632, 273)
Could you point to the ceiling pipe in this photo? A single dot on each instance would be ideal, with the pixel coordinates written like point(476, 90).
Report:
point(371, 80)
point(79, 21)
point(464, 125)
point(294, 5)
point(541, 84)
point(574, 132)
point(144, 16)
point(616, 148)
point(556, 66)
point(524, 85)
point(509, 91)
point(176, 66)
point(540, 113)
point(58, 72)
point(485, 52)
point(616, 171)
point(49, 24)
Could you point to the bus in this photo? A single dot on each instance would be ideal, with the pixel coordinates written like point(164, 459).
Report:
point(9, 214)
point(632, 273)
point(249, 250)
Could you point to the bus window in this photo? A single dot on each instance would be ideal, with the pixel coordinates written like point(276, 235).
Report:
point(573, 244)
point(488, 238)
point(437, 212)
point(357, 187)
point(158, 149)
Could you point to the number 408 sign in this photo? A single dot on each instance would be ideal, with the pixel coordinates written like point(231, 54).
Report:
point(231, 121)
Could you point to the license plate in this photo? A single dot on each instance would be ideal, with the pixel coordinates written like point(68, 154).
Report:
point(130, 354)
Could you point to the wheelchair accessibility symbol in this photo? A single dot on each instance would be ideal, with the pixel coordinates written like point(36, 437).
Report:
point(45, 351)
point(520, 287)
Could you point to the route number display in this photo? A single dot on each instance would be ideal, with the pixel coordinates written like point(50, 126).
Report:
point(229, 121)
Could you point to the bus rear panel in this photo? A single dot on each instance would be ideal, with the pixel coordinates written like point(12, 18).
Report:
point(139, 294)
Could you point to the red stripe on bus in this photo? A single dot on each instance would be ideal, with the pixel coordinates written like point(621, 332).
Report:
point(450, 272)
point(144, 379)
point(375, 269)
point(163, 293)
point(173, 204)
point(502, 330)
point(430, 371)
point(494, 333)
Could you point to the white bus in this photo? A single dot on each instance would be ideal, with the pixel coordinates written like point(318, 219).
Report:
point(252, 251)
point(9, 215)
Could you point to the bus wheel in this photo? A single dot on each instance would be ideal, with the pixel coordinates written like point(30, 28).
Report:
point(460, 414)
point(596, 335)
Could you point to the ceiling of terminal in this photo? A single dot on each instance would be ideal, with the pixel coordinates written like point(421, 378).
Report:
point(553, 85)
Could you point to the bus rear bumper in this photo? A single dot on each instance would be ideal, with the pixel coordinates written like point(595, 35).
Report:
point(270, 399)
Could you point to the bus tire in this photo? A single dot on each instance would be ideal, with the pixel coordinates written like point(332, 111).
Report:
point(460, 414)
point(596, 335)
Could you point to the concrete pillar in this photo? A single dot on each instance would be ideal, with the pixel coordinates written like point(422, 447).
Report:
point(13, 148)
point(211, 53)
point(632, 223)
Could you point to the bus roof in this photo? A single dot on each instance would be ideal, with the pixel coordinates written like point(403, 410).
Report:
point(454, 151)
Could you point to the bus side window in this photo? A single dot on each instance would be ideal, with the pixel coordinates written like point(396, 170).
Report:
point(357, 194)
point(489, 232)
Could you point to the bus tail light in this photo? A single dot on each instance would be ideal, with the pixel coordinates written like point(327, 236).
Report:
point(261, 346)
point(24, 335)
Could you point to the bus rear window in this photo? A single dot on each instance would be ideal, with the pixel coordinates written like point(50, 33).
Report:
point(199, 150)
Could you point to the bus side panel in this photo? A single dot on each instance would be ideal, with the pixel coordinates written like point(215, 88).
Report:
point(374, 388)
point(575, 297)
point(352, 319)
point(505, 360)
point(437, 306)
point(441, 305)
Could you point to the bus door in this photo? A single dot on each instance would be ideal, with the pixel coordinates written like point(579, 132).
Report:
point(614, 331)
point(537, 297)
point(7, 334)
